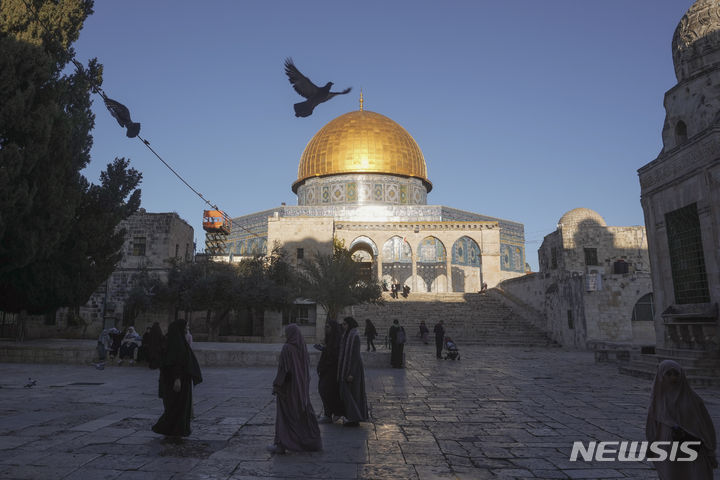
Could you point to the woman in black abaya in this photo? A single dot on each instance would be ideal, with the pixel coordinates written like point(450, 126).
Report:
point(327, 373)
point(178, 368)
point(351, 375)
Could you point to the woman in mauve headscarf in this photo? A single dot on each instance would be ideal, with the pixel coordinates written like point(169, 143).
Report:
point(677, 413)
point(327, 373)
point(351, 375)
point(296, 427)
point(178, 368)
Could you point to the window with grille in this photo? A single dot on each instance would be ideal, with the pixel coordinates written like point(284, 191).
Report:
point(301, 314)
point(553, 258)
point(687, 260)
point(644, 310)
point(138, 246)
point(591, 256)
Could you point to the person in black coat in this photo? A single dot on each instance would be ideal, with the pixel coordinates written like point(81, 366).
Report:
point(370, 334)
point(327, 366)
point(397, 344)
point(178, 368)
point(439, 331)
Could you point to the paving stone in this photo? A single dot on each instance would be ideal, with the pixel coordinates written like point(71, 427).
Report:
point(496, 414)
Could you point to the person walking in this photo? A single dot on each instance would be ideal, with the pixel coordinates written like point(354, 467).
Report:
point(439, 331)
point(153, 342)
point(424, 332)
point(178, 368)
point(677, 413)
point(296, 427)
point(327, 372)
point(397, 344)
point(370, 334)
point(351, 375)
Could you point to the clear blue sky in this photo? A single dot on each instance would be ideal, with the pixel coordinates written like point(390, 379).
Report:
point(524, 109)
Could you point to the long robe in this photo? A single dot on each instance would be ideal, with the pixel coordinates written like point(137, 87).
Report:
point(296, 427)
point(178, 361)
point(352, 393)
point(153, 340)
point(396, 349)
point(327, 371)
point(676, 406)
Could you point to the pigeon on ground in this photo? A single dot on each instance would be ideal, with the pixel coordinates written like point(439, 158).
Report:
point(315, 95)
point(31, 383)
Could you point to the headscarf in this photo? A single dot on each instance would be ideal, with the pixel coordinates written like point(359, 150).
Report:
point(105, 337)
point(132, 336)
point(345, 360)
point(294, 358)
point(677, 405)
point(333, 336)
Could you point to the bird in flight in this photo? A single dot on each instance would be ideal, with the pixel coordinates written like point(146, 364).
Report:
point(315, 95)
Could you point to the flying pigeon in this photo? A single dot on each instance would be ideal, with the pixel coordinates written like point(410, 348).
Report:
point(315, 95)
point(122, 115)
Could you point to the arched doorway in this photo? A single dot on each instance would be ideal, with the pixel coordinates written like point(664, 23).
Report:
point(397, 261)
point(364, 252)
point(466, 265)
point(432, 265)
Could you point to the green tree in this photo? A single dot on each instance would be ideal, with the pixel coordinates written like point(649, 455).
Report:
point(335, 282)
point(58, 233)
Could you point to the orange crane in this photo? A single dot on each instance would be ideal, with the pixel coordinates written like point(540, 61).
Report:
point(218, 225)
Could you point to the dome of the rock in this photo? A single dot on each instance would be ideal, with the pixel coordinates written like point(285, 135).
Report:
point(362, 142)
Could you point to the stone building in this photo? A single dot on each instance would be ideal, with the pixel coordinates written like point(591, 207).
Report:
point(593, 286)
point(152, 239)
point(363, 180)
point(680, 191)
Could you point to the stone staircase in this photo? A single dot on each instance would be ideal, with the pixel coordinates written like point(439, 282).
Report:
point(469, 318)
point(701, 368)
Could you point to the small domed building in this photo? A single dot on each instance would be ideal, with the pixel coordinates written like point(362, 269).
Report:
point(593, 289)
point(362, 179)
point(680, 191)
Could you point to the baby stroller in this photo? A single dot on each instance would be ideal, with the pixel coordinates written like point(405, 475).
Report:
point(451, 350)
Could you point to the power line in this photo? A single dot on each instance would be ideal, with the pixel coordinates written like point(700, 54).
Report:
point(96, 88)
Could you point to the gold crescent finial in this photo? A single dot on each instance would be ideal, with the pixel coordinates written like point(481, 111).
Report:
point(361, 100)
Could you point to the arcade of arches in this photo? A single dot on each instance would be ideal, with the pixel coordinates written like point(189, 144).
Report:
point(426, 261)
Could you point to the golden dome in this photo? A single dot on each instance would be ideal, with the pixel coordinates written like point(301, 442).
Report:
point(362, 142)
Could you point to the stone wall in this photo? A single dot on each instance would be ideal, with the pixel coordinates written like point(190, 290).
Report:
point(574, 316)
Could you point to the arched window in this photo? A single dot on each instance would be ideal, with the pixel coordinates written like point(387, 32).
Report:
point(680, 132)
point(396, 249)
point(431, 250)
point(644, 310)
point(465, 251)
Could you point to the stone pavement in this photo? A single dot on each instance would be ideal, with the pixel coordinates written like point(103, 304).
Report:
point(498, 412)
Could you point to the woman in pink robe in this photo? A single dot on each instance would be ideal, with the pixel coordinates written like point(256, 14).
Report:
point(296, 427)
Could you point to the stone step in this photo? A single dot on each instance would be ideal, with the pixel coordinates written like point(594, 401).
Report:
point(468, 317)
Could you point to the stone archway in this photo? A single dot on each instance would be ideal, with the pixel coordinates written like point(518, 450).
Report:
point(397, 261)
point(365, 252)
point(466, 265)
point(432, 265)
